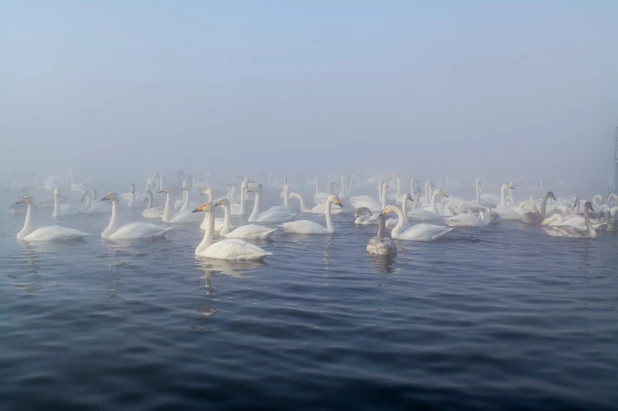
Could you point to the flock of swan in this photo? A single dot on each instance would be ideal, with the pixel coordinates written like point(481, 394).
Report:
point(411, 215)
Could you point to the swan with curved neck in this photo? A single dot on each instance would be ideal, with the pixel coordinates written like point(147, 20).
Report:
point(228, 249)
point(150, 211)
point(318, 209)
point(570, 231)
point(418, 232)
point(381, 245)
point(132, 231)
point(274, 215)
point(49, 233)
point(63, 210)
point(249, 231)
point(392, 222)
point(363, 216)
point(311, 227)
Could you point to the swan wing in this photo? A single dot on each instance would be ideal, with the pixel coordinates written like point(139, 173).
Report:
point(186, 217)
point(54, 233)
point(423, 232)
point(275, 216)
point(303, 227)
point(234, 249)
point(154, 212)
point(140, 230)
point(251, 231)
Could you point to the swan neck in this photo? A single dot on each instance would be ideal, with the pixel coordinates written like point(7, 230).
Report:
point(243, 193)
point(329, 220)
point(402, 220)
point(301, 200)
point(478, 194)
point(256, 206)
point(113, 222)
point(383, 196)
point(381, 226)
point(544, 205)
point(588, 225)
point(207, 240)
point(503, 195)
point(149, 204)
point(434, 199)
point(56, 206)
point(27, 229)
point(404, 206)
point(167, 210)
point(286, 193)
point(226, 219)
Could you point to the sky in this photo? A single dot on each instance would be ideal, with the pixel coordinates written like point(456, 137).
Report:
point(475, 87)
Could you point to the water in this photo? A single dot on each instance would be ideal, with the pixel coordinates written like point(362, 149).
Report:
point(504, 317)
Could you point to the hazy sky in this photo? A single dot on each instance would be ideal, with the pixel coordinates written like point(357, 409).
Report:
point(462, 86)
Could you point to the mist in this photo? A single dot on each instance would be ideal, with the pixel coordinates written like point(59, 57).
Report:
point(475, 88)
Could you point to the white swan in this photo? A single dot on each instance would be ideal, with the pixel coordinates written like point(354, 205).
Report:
point(311, 227)
point(131, 231)
point(49, 233)
point(318, 209)
point(467, 220)
point(430, 213)
point(392, 222)
point(228, 249)
point(272, 215)
point(249, 231)
point(418, 232)
point(150, 211)
point(320, 198)
point(570, 231)
point(218, 220)
point(363, 216)
point(507, 213)
point(63, 210)
point(381, 245)
point(182, 217)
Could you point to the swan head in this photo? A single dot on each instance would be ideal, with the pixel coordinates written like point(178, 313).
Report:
point(223, 201)
point(83, 195)
point(362, 211)
point(132, 187)
point(408, 197)
point(205, 208)
point(335, 200)
point(551, 195)
point(441, 193)
point(333, 184)
point(206, 192)
point(110, 197)
point(388, 209)
point(57, 193)
point(509, 186)
point(25, 200)
point(256, 188)
point(588, 206)
point(478, 182)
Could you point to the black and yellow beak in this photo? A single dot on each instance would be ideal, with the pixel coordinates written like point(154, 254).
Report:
point(384, 212)
point(338, 202)
point(199, 209)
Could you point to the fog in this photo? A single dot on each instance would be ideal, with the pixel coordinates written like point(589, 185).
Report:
point(475, 88)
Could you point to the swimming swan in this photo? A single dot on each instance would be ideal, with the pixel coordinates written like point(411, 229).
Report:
point(132, 231)
point(48, 233)
point(63, 210)
point(381, 245)
point(311, 227)
point(418, 232)
point(570, 231)
point(273, 215)
point(150, 211)
point(249, 231)
point(228, 249)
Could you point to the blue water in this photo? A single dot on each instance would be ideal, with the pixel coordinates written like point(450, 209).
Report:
point(503, 317)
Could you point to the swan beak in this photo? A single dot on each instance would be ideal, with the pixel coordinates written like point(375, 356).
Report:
point(383, 212)
point(338, 203)
point(198, 209)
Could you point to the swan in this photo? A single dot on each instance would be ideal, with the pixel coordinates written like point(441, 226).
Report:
point(537, 216)
point(570, 231)
point(48, 233)
point(507, 213)
point(150, 211)
point(249, 231)
point(363, 216)
point(228, 249)
point(132, 231)
point(275, 215)
point(218, 220)
point(320, 198)
point(182, 217)
point(318, 209)
point(430, 213)
point(63, 210)
point(418, 232)
point(467, 220)
point(381, 245)
point(311, 227)
point(392, 222)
